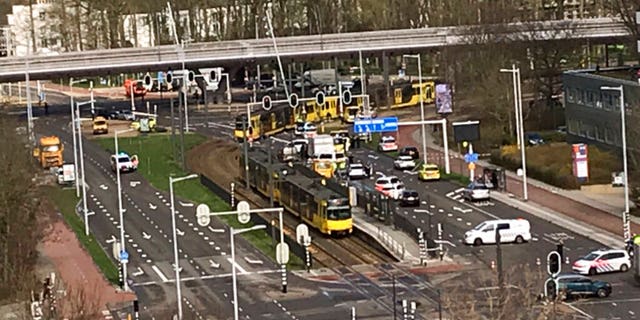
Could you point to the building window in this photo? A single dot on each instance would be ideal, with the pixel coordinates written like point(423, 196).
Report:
point(580, 95)
point(590, 100)
point(606, 101)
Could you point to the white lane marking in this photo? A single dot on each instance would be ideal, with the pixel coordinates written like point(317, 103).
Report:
point(238, 267)
point(462, 210)
point(133, 184)
point(146, 236)
point(179, 232)
point(216, 230)
point(186, 204)
point(152, 207)
point(160, 274)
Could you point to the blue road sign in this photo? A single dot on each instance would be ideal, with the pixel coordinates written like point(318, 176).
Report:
point(160, 77)
point(471, 157)
point(389, 124)
point(124, 256)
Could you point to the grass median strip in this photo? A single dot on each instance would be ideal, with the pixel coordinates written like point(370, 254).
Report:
point(156, 164)
point(66, 201)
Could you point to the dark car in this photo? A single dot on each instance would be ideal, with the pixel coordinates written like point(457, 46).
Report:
point(410, 151)
point(409, 198)
point(575, 285)
point(534, 139)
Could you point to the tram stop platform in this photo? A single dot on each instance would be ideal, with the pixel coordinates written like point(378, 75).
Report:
point(398, 243)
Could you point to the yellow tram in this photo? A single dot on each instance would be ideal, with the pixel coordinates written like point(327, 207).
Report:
point(302, 193)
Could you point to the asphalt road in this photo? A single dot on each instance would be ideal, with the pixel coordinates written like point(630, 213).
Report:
point(440, 198)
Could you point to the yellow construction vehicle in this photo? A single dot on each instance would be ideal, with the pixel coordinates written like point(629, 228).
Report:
point(100, 125)
point(49, 152)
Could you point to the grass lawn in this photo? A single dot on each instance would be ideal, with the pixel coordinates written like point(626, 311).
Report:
point(66, 202)
point(157, 164)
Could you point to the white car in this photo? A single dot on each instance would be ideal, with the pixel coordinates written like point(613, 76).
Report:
point(476, 191)
point(393, 191)
point(601, 261)
point(124, 162)
point(357, 171)
point(404, 162)
point(387, 181)
point(511, 230)
point(387, 143)
point(306, 129)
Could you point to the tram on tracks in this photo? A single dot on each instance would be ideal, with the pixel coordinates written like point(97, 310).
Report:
point(303, 194)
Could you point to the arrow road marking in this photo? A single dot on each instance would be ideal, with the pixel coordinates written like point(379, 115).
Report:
point(179, 232)
point(138, 273)
point(444, 242)
point(133, 184)
point(216, 230)
point(213, 264)
point(146, 236)
point(187, 204)
point(252, 261)
point(174, 267)
point(103, 187)
point(462, 210)
point(112, 240)
point(373, 157)
point(152, 207)
point(160, 274)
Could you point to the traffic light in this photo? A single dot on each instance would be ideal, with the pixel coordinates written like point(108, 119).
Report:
point(293, 100)
point(553, 263)
point(169, 77)
point(147, 82)
point(266, 103)
point(320, 98)
point(191, 76)
point(346, 97)
point(551, 289)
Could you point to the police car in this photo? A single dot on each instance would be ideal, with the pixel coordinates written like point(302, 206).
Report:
point(601, 261)
point(124, 162)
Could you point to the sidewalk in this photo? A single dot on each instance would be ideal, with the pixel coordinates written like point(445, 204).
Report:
point(560, 205)
point(85, 288)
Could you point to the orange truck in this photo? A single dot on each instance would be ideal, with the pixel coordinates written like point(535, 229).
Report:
point(138, 88)
point(49, 152)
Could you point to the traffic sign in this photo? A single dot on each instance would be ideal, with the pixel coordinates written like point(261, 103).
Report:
point(160, 77)
point(202, 214)
point(243, 209)
point(472, 166)
point(471, 157)
point(282, 253)
point(302, 232)
point(388, 124)
point(124, 256)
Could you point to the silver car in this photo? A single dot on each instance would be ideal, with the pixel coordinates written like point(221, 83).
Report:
point(476, 191)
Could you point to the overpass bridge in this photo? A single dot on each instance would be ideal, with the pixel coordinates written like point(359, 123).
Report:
point(227, 53)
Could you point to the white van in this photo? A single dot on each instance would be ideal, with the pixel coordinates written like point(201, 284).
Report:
point(512, 230)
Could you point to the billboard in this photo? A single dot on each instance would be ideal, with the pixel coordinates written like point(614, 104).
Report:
point(466, 131)
point(579, 154)
point(444, 101)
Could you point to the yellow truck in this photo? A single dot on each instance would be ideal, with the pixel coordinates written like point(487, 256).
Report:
point(100, 125)
point(49, 152)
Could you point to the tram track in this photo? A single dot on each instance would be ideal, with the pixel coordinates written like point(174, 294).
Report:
point(326, 251)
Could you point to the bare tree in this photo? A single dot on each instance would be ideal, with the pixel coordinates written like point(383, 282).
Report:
point(482, 297)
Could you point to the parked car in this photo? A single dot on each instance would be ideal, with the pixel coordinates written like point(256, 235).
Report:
point(393, 191)
point(410, 151)
point(601, 261)
point(357, 171)
point(387, 143)
point(574, 285)
point(386, 181)
point(476, 191)
point(404, 162)
point(409, 198)
point(534, 139)
point(511, 230)
point(428, 171)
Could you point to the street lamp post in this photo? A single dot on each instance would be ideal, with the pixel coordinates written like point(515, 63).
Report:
point(625, 218)
point(424, 133)
point(84, 184)
point(172, 180)
point(275, 48)
point(125, 286)
point(232, 233)
point(517, 97)
point(73, 131)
